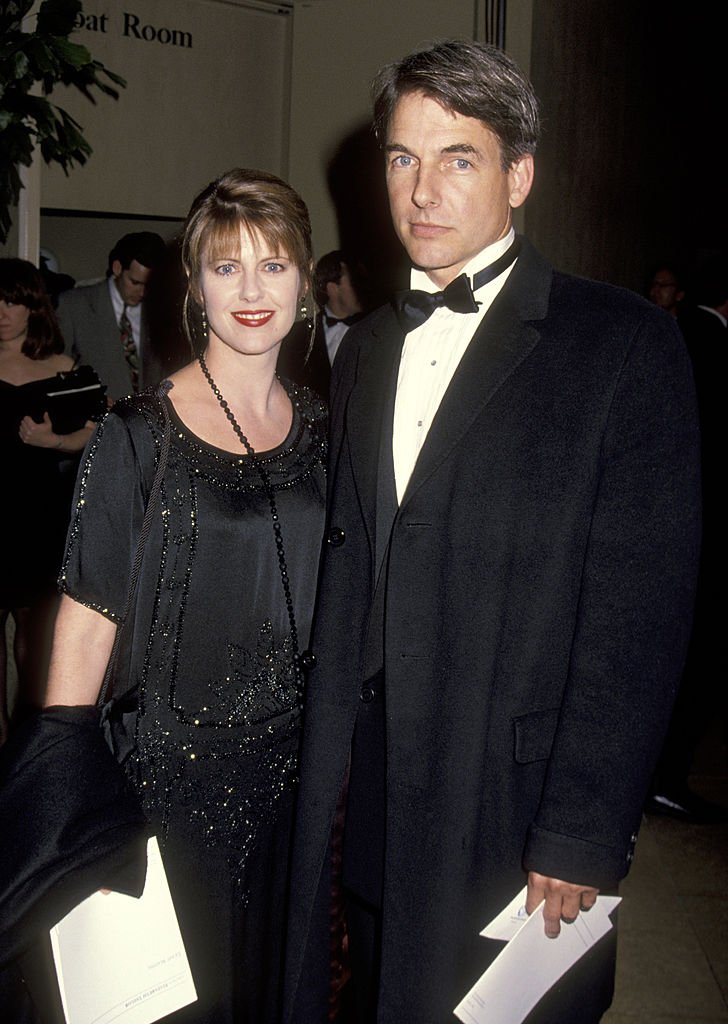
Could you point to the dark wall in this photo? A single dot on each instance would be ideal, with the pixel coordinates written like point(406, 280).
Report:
point(632, 169)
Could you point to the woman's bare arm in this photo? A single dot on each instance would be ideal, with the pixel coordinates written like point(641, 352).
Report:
point(42, 435)
point(82, 642)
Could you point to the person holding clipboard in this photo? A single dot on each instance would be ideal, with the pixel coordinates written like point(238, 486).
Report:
point(47, 410)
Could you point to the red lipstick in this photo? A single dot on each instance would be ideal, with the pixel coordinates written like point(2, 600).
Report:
point(253, 317)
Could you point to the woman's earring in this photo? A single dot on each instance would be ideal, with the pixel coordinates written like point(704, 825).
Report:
point(311, 325)
point(303, 308)
point(203, 318)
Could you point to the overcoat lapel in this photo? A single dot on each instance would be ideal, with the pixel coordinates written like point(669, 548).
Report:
point(370, 413)
point(508, 333)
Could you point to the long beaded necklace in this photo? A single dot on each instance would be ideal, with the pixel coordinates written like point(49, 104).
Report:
point(277, 534)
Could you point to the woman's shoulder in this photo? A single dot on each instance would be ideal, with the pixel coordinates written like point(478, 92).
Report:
point(142, 406)
point(58, 363)
point(24, 372)
point(143, 416)
point(308, 403)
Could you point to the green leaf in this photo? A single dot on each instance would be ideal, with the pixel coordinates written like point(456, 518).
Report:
point(71, 53)
point(117, 79)
point(12, 14)
point(20, 65)
point(58, 17)
point(44, 57)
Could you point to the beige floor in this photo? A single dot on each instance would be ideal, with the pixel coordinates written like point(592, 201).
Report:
point(672, 961)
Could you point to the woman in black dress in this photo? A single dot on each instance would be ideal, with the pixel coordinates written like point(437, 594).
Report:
point(225, 590)
point(38, 472)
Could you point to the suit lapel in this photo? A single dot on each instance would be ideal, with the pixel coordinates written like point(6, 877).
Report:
point(508, 333)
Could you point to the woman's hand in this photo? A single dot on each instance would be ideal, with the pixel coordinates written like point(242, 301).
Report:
point(42, 435)
point(39, 435)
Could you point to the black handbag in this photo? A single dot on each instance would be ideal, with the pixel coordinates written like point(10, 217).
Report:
point(71, 399)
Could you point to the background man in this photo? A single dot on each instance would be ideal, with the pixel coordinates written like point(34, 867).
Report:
point(103, 324)
point(338, 307)
point(507, 579)
point(665, 290)
point(702, 320)
point(337, 298)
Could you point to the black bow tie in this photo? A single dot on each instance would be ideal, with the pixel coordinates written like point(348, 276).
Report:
point(414, 307)
point(348, 320)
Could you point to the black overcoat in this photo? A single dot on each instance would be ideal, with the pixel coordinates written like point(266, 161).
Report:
point(539, 596)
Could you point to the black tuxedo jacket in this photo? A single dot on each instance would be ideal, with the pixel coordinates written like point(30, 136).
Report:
point(305, 360)
point(539, 588)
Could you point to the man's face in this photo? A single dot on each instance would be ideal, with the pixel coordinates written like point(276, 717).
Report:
point(342, 298)
point(448, 193)
point(664, 291)
point(131, 281)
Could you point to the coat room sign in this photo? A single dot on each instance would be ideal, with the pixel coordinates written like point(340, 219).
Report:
point(207, 89)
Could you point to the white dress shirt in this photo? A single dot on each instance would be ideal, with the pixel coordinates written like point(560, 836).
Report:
point(334, 335)
point(431, 355)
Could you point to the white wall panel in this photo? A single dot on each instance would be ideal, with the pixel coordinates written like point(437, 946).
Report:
point(207, 89)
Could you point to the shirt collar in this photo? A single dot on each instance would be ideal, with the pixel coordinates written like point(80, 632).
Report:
point(116, 300)
point(134, 313)
point(709, 309)
point(420, 280)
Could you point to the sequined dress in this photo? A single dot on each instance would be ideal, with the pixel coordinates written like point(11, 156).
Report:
point(210, 648)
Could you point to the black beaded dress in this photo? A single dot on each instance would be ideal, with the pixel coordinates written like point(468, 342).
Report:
point(209, 647)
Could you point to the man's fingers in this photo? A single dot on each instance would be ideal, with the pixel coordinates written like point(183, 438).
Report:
point(552, 910)
point(562, 901)
point(570, 906)
point(588, 899)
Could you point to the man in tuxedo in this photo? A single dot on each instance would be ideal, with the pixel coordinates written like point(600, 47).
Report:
point(338, 308)
point(337, 298)
point(104, 325)
point(507, 575)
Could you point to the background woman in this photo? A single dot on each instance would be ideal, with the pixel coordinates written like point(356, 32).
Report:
point(38, 475)
point(225, 590)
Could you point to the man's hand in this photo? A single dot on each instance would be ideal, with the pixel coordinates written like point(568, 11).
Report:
point(562, 900)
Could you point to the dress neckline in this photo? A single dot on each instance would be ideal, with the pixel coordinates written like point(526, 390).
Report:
point(223, 453)
point(27, 383)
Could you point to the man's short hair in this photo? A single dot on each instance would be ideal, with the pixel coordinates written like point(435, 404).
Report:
point(328, 271)
point(146, 247)
point(472, 79)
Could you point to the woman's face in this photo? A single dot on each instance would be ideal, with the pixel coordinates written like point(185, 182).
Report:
point(250, 296)
point(13, 321)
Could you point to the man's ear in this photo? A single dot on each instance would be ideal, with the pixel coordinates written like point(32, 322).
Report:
point(116, 268)
point(520, 179)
